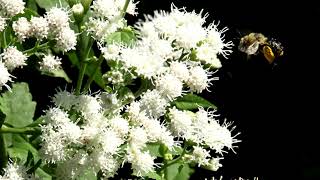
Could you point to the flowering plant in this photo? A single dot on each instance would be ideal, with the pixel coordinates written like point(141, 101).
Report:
point(147, 113)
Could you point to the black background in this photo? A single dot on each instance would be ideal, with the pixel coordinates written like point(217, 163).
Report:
point(272, 107)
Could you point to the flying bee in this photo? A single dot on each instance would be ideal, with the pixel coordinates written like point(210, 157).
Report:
point(255, 43)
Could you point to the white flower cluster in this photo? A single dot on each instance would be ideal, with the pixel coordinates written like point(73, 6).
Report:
point(54, 26)
point(10, 59)
point(50, 63)
point(10, 8)
point(107, 20)
point(169, 55)
point(15, 172)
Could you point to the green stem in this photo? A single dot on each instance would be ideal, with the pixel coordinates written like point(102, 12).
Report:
point(35, 48)
point(91, 78)
point(4, 39)
point(82, 71)
point(25, 130)
point(3, 152)
point(124, 9)
point(175, 160)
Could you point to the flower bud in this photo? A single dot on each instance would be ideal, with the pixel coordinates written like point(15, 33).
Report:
point(77, 11)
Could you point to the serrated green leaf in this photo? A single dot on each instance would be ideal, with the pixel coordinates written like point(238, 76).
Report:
point(47, 4)
point(179, 171)
point(192, 101)
point(125, 36)
point(18, 106)
point(60, 73)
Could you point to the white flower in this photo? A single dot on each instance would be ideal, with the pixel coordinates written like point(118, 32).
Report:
point(89, 106)
point(143, 61)
point(22, 28)
point(13, 58)
point(200, 156)
point(141, 162)
point(138, 137)
point(56, 117)
point(199, 79)
point(208, 54)
point(58, 18)
point(108, 164)
point(169, 86)
point(14, 171)
point(214, 164)
point(39, 27)
point(105, 8)
point(153, 103)
point(77, 9)
point(216, 40)
point(109, 141)
point(5, 76)
point(53, 150)
point(180, 70)
point(111, 51)
point(50, 63)
point(120, 126)
point(12, 7)
point(180, 122)
point(3, 23)
point(64, 99)
point(66, 39)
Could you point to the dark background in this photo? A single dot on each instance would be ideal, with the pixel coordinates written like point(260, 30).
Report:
point(272, 106)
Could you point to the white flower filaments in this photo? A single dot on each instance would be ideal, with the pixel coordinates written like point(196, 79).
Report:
point(58, 22)
point(50, 63)
point(13, 58)
point(14, 171)
point(5, 76)
point(22, 28)
point(107, 20)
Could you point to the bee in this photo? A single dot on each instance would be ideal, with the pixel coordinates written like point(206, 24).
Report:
point(255, 43)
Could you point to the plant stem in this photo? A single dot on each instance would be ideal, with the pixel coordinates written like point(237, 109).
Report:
point(124, 9)
point(175, 160)
point(4, 39)
point(36, 48)
point(24, 130)
point(83, 66)
point(90, 80)
point(3, 152)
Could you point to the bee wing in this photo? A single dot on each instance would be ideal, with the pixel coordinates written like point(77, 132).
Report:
point(253, 48)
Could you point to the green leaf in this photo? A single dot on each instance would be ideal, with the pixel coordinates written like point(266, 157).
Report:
point(179, 171)
point(41, 174)
point(18, 153)
point(47, 4)
point(154, 149)
point(31, 4)
point(19, 142)
point(192, 101)
point(18, 105)
point(153, 175)
point(57, 73)
point(125, 36)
